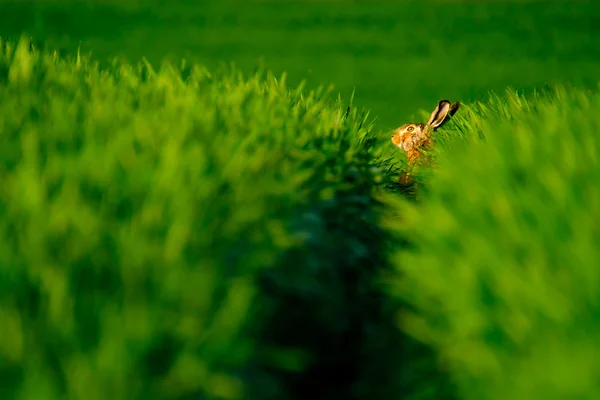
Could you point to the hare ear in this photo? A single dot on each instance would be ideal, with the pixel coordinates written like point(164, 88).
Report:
point(454, 108)
point(442, 113)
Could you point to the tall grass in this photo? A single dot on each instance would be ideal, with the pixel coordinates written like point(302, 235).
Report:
point(502, 269)
point(177, 233)
point(174, 233)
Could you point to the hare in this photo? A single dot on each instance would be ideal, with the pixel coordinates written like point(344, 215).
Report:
point(415, 137)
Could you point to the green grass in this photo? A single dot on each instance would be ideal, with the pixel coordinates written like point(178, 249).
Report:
point(176, 233)
point(400, 56)
point(182, 231)
point(173, 233)
point(501, 270)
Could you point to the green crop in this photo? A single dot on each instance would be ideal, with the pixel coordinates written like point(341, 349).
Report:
point(180, 233)
point(174, 233)
point(502, 267)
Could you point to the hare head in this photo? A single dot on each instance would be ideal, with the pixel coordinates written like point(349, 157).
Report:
point(414, 137)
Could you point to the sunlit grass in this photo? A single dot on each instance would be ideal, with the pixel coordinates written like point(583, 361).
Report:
point(502, 264)
point(154, 223)
point(177, 231)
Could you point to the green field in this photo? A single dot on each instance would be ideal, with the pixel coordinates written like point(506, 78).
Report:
point(199, 231)
point(399, 56)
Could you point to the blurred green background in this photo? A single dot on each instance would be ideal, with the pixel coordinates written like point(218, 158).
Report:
point(399, 56)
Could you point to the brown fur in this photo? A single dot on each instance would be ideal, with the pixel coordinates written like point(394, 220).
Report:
point(413, 138)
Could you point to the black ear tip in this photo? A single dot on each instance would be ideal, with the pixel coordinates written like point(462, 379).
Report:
point(454, 108)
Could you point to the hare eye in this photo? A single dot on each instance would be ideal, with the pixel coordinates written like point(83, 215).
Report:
point(410, 128)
